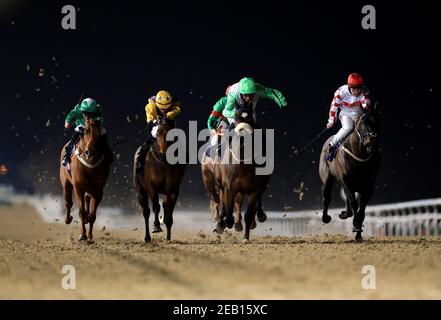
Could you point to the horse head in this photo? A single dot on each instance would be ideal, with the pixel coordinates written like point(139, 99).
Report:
point(367, 131)
point(244, 114)
point(89, 146)
point(164, 126)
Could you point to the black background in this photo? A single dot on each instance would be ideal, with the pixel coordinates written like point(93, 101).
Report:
point(124, 51)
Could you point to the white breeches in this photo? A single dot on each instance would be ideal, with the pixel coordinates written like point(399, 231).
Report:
point(347, 119)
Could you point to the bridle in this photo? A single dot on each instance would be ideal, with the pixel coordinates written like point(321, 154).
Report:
point(84, 162)
point(362, 137)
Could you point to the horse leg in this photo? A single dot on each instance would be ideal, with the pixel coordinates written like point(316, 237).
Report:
point(220, 225)
point(238, 206)
point(156, 209)
point(67, 191)
point(228, 207)
point(169, 202)
point(250, 214)
point(87, 199)
point(351, 204)
point(261, 215)
point(79, 197)
point(327, 191)
point(360, 214)
point(93, 206)
point(143, 201)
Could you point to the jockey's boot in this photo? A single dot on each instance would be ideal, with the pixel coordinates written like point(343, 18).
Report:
point(332, 151)
point(209, 151)
point(70, 146)
point(108, 153)
point(142, 154)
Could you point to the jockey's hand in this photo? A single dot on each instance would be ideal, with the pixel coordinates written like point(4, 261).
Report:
point(66, 125)
point(330, 123)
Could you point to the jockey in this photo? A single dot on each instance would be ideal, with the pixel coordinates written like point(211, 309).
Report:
point(247, 92)
point(350, 102)
point(77, 116)
point(163, 105)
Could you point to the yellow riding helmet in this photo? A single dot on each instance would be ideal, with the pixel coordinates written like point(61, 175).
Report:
point(163, 99)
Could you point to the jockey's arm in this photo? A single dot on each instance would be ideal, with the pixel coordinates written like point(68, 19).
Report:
point(150, 111)
point(333, 110)
point(365, 101)
point(174, 110)
point(271, 94)
point(229, 106)
point(73, 115)
point(216, 114)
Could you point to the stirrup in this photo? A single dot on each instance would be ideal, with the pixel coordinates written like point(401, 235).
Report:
point(331, 153)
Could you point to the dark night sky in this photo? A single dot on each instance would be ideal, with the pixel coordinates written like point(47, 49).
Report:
point(123, 52)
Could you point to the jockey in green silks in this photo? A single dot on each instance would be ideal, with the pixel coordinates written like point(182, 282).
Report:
point(88, 107)
point(246, 93)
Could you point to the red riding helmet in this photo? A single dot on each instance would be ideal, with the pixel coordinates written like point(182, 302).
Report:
point(355, 80)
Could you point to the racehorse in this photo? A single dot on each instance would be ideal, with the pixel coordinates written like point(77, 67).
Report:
point(208, 177)
point(158, 177)
point(239, 177)
point(85, 177)
point(355, 167)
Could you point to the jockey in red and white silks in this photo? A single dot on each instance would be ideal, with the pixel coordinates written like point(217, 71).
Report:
point(350, 102)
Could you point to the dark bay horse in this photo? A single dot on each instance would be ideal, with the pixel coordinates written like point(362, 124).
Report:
point(158, 177)
point(90, 170)
point(239, 177)
point(355, 167)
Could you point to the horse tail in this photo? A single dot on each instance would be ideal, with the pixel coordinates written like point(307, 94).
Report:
point(136, 181)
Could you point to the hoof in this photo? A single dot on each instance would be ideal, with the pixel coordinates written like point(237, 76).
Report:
point(344, 215)
point(68, 220)
point(156, 229)
point(220, 227)
point(358, 237)
point(261, 217)
point(245, 241)
point(229, 222)
point(82, 237)
point(253, 225)
point(326, 218)
point(238, 226)
point(147, 240)
point(90, 241)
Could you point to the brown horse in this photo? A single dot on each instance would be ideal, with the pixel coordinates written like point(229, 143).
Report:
point(158, 177)
point(90, 170)
point(355, 167)
point(239, 177)
point(208, 177)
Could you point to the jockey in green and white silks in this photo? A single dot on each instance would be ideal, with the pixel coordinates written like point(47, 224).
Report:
point(247, 92)
point(76, 116)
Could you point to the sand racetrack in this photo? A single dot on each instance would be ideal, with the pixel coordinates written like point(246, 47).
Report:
point(201, 266)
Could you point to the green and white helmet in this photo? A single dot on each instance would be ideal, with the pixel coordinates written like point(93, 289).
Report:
point(247, 86)
point(88, 105)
